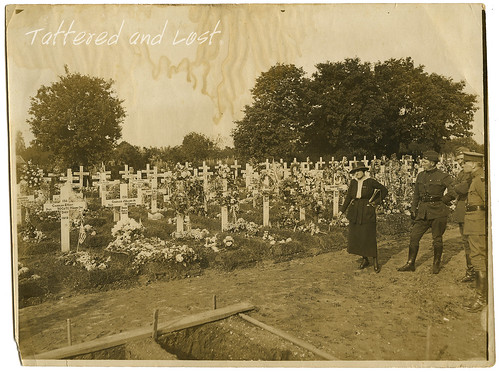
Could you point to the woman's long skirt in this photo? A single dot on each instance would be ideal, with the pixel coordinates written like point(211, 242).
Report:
point(362, 239)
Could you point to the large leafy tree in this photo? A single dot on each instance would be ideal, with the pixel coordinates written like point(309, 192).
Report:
point(197, 147)
point(345, 102)
point(420, 108)
point(78, 118)
point(274, 124)
point(353, 108)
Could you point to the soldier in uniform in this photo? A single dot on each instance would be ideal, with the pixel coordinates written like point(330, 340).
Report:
point(429, 209)
point(461, 186)
point(474, 227)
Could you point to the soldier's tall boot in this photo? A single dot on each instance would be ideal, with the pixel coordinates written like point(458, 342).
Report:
point(470, 271)
point(437, 259)
point(410, 265)
point(480, 300)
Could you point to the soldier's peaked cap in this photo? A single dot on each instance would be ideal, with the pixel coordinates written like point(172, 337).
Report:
point(473, 156)
point(431, 156)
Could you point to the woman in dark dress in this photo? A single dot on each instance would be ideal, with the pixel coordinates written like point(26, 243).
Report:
point(362, 196)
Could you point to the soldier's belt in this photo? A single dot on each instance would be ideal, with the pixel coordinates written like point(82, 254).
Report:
point(428, 199)
point(473, 208)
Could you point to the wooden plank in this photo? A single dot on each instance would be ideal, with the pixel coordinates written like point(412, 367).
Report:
point(289, 337)
point(137, 334)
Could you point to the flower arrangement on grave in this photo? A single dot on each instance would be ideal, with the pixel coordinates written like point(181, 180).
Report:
point(29, 233)
point(228, 241)
point(24, 274)
point(84, 259)
point(229, 197)
point(187, 193)
point(241, 225)
point(339, 222)
point(32, 177)
point(125, 232)
point(196, 234)
point(310, 227)
point(274, 239)
point(156, 250)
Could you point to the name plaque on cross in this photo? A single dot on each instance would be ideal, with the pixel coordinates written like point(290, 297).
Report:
point(64, 207)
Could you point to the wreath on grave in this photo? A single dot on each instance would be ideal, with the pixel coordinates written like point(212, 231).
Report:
point(187, 193)
point(32, 177)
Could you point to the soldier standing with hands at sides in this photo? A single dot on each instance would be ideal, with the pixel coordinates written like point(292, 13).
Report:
point(429, 209)
point(362, 196)
point(474, 228)
point(461, 186)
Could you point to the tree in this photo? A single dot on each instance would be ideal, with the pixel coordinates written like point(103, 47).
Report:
point(196, 146)
point(127, 154)
point(20, 144)
point(417, 107)
point(77, 118)
point(345, 102)
point(274, 124)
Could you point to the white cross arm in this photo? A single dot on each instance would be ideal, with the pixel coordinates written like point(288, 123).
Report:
point(121, 202)
point(63, 206)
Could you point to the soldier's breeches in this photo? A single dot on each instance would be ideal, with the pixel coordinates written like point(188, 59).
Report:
point(464, 239)
point(478, 248)
point(438, 226)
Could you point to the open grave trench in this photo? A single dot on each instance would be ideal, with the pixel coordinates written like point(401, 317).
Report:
point(221, 334)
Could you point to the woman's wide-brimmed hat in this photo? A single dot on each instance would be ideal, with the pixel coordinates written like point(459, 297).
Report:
point(359, 166)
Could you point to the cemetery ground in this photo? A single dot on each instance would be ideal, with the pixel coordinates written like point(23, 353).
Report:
point(309, 287)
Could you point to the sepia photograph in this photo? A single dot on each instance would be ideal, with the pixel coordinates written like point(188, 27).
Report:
point(250, 185)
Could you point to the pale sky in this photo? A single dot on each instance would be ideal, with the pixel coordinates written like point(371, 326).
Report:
point(171, 90)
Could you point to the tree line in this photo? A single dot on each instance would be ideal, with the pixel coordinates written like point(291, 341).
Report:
point(353, 108)
point(347, 108)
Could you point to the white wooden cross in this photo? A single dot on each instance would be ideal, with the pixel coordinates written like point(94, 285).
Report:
point(154, 195)
point(128, 176)
point(64, 206)
point(335, 189)
point(205, 172)
point(219, 165)
point(140, 182)
point(365, 161)
point(306, 164)
point(248, 175)
point(69, 178)
point(285, 170)
point(22, 202)
point(320, 164)
point(104, 180)
point(235, 167)
point(81, 174)
point(123, 202)
point(148, 170)
point(351, 162)
point(266, 203)
point(224, 211)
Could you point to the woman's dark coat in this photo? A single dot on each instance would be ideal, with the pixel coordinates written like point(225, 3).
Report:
point(362, 216)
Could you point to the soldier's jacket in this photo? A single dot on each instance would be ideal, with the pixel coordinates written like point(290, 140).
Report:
point(431, 185)
point(461, 185)
point(474, 221)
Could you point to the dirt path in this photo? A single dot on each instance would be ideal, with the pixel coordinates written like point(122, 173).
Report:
point(324, 300)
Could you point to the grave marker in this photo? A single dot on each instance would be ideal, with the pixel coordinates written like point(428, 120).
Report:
point(64, 207)
point(81, 174)
point(235, 167)
point(123, 202)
